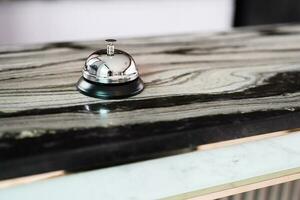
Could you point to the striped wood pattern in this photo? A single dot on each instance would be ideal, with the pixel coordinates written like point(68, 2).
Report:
point(199, 89)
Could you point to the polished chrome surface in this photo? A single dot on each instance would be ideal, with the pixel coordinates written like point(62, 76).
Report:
point(110, 47)
point(110, 66)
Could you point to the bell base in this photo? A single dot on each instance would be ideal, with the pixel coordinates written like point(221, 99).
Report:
point(110, 91)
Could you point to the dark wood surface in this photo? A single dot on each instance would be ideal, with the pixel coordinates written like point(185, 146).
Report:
point(199, 89)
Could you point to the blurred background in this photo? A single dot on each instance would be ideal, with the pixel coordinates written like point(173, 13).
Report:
point(39, 21)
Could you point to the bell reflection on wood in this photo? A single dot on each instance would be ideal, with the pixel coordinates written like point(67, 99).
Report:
point(97, 109)
point(110, 73)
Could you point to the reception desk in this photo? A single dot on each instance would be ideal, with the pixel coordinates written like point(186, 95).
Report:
point(206, 91)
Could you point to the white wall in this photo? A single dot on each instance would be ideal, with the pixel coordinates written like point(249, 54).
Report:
point(44, 21)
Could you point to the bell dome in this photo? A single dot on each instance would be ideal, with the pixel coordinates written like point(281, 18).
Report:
point(110, 74)
point(110, 66)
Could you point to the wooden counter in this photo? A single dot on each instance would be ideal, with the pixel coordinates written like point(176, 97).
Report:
point(200, 89)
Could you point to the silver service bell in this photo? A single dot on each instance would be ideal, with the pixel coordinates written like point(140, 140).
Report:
point(110, 73)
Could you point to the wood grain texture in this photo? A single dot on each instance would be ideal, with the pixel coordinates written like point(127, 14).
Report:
point(199, 89)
